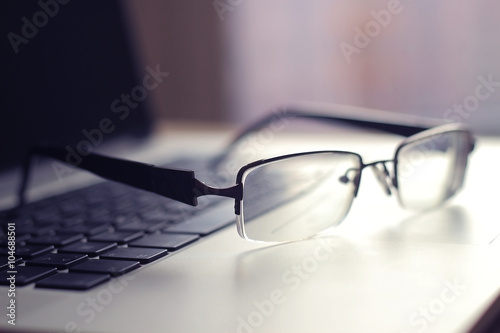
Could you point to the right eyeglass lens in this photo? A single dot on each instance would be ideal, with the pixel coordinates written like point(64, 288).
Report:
point(431, 170)
point(297, 197)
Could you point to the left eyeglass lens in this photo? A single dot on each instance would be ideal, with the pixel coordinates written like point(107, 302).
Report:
point(297, 197)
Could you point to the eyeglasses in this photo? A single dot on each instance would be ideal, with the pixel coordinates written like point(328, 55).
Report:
point(297, 196)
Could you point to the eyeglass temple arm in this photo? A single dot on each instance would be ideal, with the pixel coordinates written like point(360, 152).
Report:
point(401, 125)
point(389, 122)
point(179, 185)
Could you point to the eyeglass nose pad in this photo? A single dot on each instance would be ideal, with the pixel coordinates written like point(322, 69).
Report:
point(383, 177)
point(344, 179)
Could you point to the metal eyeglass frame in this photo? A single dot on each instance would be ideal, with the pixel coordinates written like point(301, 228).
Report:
point(182, 185)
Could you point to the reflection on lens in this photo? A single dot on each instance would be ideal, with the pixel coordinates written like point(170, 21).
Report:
point(431, 170)
point(297, 197)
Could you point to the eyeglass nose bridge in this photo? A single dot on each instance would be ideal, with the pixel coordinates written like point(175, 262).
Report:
point(382, 175)
point(381, 172)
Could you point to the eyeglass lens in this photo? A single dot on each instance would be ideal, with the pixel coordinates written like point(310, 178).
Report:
point(431, 170)
point(297, 197)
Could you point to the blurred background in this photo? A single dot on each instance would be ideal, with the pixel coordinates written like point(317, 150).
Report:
point(67, 66)
point(233, 60)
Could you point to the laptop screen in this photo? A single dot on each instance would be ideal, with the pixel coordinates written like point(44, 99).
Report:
point(64, 63)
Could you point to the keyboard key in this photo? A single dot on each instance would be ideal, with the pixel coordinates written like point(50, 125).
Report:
point(98, 213)
point(158, 214)
point(86, 229)
point(165, 241)
point(121, 218)
point(72, 206)
point(148, 205)
point(73, 219)
point(124, 206)
point(22, 220)
point(73, 281)
point(30, 251)
point(105, 266)
point(120, 237)
point(146, 226)
point(56, 240)
point(36, 230)
point(90, 248)
point(27, 274)
point(48, 221)
point(178, 214)
point(48, 213)
point(205, 223)
point(94, 199)
point(140, 254)
point(58, 260)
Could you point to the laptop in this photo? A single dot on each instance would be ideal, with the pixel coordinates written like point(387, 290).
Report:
point(382, 270)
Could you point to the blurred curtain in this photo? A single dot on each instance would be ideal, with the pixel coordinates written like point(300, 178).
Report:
point(183, 37)
point(424, 58)
point(236, 59)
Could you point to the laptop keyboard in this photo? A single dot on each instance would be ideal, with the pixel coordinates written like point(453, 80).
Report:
point(80, 239)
